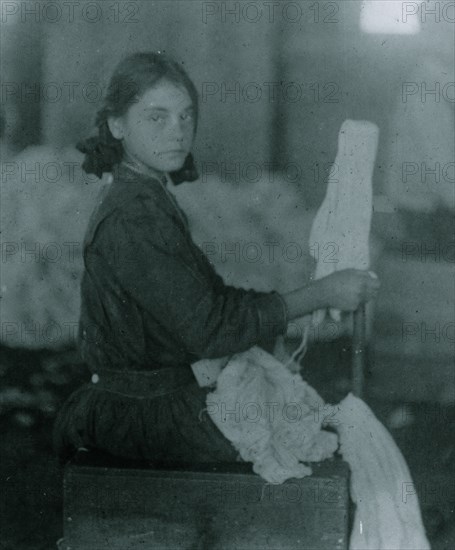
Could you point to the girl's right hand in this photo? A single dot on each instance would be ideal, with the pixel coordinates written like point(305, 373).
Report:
point(349, 288)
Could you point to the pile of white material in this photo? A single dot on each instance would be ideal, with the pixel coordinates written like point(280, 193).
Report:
point(46, 203)
point(275, 420)
point(272, 417)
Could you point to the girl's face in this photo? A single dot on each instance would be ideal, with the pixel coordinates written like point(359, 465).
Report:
point(158, 130)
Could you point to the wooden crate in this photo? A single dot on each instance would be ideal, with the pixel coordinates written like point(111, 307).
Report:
point(223, 507)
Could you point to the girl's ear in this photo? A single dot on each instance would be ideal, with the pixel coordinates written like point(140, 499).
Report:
point(116, 127)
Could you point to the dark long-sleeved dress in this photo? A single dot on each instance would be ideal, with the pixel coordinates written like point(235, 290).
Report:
point(152, 304)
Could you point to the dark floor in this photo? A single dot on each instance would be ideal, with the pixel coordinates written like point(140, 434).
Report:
point(34, 384)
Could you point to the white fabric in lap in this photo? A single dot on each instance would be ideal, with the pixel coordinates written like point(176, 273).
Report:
point(272, 417)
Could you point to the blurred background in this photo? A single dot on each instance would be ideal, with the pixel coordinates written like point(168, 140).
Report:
point(276, 81)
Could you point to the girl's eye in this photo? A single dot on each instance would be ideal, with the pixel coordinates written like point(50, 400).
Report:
point(187, 116)
point(156, 118)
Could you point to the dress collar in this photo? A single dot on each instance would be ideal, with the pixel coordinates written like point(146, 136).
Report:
point(144, 172)
point(128, 181)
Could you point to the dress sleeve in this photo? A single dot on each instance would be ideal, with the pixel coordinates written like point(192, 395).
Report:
point(154, 261)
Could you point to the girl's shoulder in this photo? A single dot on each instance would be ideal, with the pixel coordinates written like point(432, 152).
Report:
point(129, 205)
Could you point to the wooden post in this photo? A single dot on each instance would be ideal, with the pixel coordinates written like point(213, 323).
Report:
point(358, 351)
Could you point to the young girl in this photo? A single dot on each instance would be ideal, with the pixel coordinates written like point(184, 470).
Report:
point(152, 303)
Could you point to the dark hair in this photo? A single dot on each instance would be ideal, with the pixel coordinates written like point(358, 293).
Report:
point(132, 77)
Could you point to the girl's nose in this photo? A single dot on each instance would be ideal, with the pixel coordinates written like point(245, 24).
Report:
point(177, 129)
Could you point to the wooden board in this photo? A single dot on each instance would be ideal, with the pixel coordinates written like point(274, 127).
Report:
point(223, 508)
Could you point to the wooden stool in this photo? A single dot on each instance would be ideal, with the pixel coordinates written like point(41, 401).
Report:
point(208, 507)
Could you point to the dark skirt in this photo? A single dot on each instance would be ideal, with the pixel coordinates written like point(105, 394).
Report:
point(174, 427)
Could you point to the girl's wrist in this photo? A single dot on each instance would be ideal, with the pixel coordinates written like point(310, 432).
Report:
point(307, 299)
point(322, 293)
